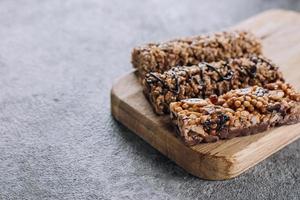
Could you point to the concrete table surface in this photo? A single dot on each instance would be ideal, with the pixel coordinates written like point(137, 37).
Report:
point(58, 60)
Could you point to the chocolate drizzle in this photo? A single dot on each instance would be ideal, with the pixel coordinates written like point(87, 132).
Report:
point(255, 59)
point(275, 107)
point(187, 74)
point(252, 71)
point(155, 77)
point(202, 82)
point(226, 77)
point(165, 86)
point(177, 88)
point(271, 66)
point(249, 72)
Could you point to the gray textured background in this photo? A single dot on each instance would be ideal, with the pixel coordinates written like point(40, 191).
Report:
point(58, 60)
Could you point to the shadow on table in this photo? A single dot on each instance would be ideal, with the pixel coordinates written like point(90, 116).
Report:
point(148, 152)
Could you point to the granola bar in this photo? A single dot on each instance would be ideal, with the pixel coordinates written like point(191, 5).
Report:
point(237, 113)
point(159, 57)
point(206, 79)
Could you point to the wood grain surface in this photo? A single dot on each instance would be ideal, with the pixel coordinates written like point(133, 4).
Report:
point(280, 33)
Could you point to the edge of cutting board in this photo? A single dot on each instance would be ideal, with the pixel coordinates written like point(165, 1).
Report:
point(227, 158)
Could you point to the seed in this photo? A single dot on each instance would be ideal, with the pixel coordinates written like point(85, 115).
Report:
point(266, 118)
point(214, 116)
point(193, 116)
point(178, 109)
point(244, 113)
point(248, 98)
point(228, 110)
point(240, 98)
point(229, 102)
point(225, 105)
point(263, 110)
point(260, 99)
point(295, 97)
point(185, 105)
point(231, 122)
point(226, 96)
point(221, 101)
point(191, 109)
point(254, 87)
point(237, 103)
point(237, 123)
point(259, 104)
point(276, 95)
point(247, 103)
point(203, 119)
point(253, 102)
point(229, 114)
point(253, 96)
point(283, 87)
point(197, 120)
point(240, 109)
point(251, 108)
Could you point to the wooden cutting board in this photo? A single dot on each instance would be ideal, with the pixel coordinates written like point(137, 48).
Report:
point(280, 32)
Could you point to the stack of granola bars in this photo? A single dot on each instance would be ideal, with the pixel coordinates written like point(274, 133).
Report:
point(216, 86)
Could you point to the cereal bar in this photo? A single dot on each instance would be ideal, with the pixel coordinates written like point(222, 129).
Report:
point(236, 113)
point(159, 57)
point(206, 79)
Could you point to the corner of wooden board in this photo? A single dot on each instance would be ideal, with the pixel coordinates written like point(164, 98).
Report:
point(204, 165)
